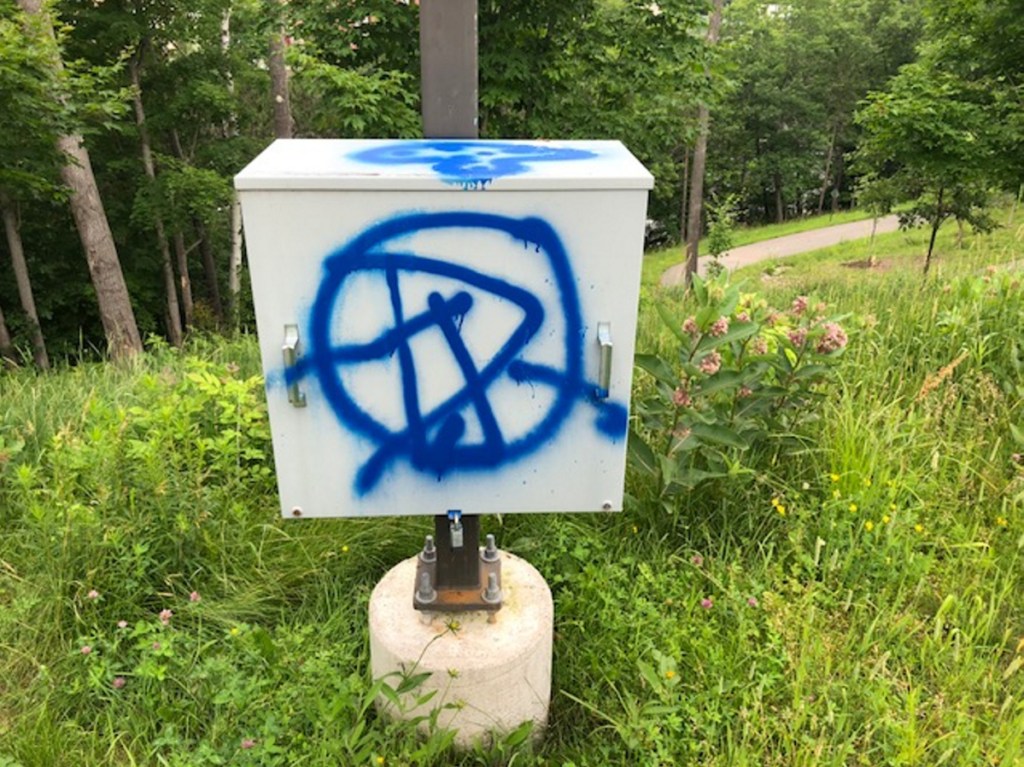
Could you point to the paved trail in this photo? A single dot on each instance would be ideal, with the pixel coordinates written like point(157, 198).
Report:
point(789, 245)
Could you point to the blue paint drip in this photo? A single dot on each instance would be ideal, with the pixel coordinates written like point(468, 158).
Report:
point(432, 441)
point(471, 165)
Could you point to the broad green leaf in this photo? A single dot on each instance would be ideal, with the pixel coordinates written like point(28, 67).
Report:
point(720, 435)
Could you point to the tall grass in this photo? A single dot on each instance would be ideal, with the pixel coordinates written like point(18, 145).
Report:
point(876, 621)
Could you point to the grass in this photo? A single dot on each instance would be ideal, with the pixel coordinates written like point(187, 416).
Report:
point(657, 261)
point(828, 640)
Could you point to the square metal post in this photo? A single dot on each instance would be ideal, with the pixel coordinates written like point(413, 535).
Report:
point(448, 68)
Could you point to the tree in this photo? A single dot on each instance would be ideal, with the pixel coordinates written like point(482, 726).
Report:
point(123, 340)
point(700, 152)
point(928, 140)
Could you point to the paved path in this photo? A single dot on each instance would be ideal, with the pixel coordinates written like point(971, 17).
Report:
point(789, 245)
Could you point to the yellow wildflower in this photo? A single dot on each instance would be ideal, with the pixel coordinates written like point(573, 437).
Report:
point(781, 509)
point(344, 549)
point(886, 519)
point(670, 674)
point(834, 477)
point(867, 481)
point(853, 508)
point(1002, 521)
point(869, 525)
point(836, 493)
point(918, 528)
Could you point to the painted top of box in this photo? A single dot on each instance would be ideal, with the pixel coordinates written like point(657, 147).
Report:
point(443, 165)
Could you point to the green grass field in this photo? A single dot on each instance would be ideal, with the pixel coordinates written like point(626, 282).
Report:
point(852, 600)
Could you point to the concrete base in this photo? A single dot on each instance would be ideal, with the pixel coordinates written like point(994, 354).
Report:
point(489, 678)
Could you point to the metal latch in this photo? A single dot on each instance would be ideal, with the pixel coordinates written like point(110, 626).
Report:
point(290, 351)
point(604, 373)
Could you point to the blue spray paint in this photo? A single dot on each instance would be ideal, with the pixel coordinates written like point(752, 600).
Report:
point(471, 165)
point(433, 441)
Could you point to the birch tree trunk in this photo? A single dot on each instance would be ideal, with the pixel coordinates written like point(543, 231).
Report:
point(21, 278)
point(235, 256)
point(700, 155)
point(173, 314)
point(115, 306)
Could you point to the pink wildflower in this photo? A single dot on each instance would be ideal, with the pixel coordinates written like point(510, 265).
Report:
point(744, 392)
point(248, 743)
point(681, 397)
point(752, 601)
point(122, 624)
point(798, 336)
point(165, 616)
point(719, 328)
point(156, 645)
point(697, 560)
point(799, 305)
point(707, 603)
point(194, 597)
point(690, 327)
point(86, 649)
point(711, 363)
point(833, 339)
point(93, 594)
point(119, 682)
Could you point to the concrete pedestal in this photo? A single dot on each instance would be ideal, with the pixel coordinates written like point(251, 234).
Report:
point(488, 677)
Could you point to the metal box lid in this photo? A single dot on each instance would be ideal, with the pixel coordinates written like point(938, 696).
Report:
point(443, 165)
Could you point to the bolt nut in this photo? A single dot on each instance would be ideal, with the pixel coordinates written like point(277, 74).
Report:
point(606, 506)
point(297, 511)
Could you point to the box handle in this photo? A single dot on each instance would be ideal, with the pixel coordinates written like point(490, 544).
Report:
point(290, 351)
point(604, 374)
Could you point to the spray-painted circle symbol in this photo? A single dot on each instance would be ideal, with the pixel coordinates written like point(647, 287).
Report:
point(433, 440)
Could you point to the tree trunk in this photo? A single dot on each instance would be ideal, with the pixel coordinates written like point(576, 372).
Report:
point(209, 272)
point(935, 229)
point(700, 155)
point(185, 281)
point(7, 354)
point(283, 123)
point(123, 340)
point(173, 314)
point(21, 278)
point(828, 169)
point(683, 212)
point(235, 262)
point(780, 208)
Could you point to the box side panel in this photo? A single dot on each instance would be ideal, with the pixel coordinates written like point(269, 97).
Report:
point(448, 350)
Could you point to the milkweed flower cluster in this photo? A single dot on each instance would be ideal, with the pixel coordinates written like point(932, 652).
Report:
point(711, 364)
point(833, 339)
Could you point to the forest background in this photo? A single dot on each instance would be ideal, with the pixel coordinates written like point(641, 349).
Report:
point(814, 106)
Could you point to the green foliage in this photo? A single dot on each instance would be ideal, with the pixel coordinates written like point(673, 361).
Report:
point(737, 385)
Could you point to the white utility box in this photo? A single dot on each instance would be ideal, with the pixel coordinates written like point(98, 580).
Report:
point(446, 325)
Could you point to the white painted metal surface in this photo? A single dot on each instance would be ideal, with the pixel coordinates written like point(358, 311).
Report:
point(447, 298)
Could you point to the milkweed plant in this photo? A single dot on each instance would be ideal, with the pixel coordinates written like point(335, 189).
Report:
point(738, 385)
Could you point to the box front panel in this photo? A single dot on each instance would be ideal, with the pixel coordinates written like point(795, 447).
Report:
point(448, 349)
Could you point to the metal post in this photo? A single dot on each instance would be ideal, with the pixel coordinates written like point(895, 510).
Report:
point(448, 68)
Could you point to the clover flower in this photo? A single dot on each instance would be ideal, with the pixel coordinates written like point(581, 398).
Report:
point(165, 616)
point(93, 595)
point(707, 603)
point(194, 597)
point(86, 649)
point(119, 682)
point(697, 560)
point(248, 743)
point(752, 601)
